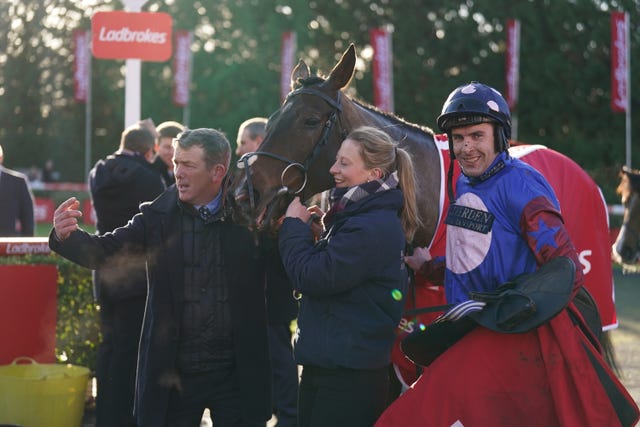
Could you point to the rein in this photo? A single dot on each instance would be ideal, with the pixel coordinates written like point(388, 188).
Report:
point(247, 159)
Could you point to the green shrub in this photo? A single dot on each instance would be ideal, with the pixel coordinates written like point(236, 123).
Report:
point(77, 327)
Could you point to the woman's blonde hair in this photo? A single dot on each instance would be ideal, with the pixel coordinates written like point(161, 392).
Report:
point(378, 150)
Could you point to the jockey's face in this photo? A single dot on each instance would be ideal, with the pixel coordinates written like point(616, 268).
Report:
point(474, 148)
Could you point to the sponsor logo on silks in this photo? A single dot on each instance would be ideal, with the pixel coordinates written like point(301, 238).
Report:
point(470, 218)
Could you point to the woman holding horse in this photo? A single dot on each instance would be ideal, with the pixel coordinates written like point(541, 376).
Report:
point(516, 361)
point(352, 281)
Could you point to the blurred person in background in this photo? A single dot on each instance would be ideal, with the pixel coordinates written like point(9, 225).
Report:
point(49, 172)
point(16, 203)
point(118, 184)
point(250, 135)
point(163, 162)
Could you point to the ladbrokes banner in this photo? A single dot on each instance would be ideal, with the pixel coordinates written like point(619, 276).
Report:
point(131, 35)
point(512, 62)
point(619, 73)
point(382, 69)
point(288, 52)
point(182, 68)
point(81, 65)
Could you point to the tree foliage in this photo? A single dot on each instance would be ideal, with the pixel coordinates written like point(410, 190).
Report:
point(438, 45)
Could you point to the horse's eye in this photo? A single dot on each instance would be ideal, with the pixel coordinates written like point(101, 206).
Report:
point(312, 122)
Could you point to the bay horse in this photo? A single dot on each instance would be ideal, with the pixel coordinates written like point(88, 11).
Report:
point(626, 249)
point(313, 121)
point(302, 139)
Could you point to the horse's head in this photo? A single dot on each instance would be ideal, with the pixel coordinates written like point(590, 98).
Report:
point(626, 249)
point(301, 141)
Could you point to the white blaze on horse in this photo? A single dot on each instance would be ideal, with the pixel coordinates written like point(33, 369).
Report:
point(305, 133)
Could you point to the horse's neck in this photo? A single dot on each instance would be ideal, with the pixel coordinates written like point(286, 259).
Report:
point(358, 114)
point(427, 157)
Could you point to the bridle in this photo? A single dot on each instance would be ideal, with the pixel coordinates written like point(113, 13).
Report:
point(334, 116)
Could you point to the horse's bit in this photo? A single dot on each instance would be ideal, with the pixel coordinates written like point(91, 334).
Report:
point(247, 159)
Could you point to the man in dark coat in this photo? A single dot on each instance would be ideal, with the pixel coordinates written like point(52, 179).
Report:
point(16, 203)
point(118, 184)
point(204, 338)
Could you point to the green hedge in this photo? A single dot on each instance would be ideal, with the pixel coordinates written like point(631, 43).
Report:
point(77, 327)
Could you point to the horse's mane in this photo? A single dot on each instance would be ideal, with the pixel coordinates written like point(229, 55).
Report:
point(318, 80)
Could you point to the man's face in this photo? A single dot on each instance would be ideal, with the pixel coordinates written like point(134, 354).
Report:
point(196, 184)
point(474, 148)
point(246, 144)
point(165, 150)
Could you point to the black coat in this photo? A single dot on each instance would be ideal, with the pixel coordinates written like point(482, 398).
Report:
point(119, 184)
point(16, 204)
point(161, 167)
point(157, 230)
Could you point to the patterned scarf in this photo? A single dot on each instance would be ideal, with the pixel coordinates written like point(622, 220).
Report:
point(340, 198)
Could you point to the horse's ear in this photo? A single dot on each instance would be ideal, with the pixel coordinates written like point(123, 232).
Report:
point(300, 72)
point(343, 71)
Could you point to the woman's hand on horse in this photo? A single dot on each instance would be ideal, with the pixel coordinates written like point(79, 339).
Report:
point(315, 222)
point(418, 258)
point(297, 210)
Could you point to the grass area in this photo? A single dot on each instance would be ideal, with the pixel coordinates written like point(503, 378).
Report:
point(626, 338)
point(627, 294)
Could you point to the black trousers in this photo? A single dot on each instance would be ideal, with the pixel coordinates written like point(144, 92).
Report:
point(285, 375)
point(217, 390)
point(342, 397)
point(120, 323)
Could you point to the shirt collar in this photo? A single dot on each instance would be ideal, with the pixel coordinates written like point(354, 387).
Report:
point(213, 205)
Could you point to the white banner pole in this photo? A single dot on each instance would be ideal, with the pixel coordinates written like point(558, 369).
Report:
point(132, 76)
point(628, 78)
point(88, 124)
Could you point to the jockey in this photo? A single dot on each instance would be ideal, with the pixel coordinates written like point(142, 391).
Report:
point(504, 223)
point(505, 213)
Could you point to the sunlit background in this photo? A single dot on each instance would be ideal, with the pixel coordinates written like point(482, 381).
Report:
point(437, 45)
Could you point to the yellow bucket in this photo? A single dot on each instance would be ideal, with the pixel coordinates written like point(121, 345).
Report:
point(36, 395)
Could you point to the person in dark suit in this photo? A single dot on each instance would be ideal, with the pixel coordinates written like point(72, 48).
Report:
point(282, 308)
point(163, 163)
point(204, 335)
point(118, 184)
point(16, 203)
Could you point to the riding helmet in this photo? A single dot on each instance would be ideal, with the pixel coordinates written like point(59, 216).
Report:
point(475, 103)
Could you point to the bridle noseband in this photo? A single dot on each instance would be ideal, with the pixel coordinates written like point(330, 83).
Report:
point(247, 159)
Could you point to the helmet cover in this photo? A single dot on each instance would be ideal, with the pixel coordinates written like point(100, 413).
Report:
point(475, 103)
